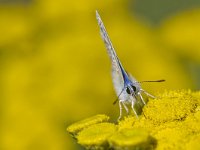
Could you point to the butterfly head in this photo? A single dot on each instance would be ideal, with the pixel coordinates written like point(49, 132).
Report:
point(132, 89)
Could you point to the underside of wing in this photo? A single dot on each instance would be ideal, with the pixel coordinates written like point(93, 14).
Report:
point(118, 80)
point(117, 76)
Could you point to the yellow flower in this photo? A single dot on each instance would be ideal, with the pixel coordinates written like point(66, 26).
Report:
point(78, 126)
point(96, 136)
point(169, 122)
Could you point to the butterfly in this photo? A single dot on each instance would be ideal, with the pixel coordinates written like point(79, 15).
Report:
point(127, 88)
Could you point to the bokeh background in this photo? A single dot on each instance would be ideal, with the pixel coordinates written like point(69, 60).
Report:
point(54, 69)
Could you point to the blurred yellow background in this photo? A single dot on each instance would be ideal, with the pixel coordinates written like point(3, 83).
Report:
point(55, 69)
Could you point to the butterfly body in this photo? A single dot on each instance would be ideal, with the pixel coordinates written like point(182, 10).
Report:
point(127, 87)
point(130, 85)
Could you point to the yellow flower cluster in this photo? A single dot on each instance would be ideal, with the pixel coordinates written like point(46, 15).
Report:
point(169, 122)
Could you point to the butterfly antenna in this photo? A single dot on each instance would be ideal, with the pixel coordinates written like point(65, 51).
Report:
point(162, 80)
point(118, 97)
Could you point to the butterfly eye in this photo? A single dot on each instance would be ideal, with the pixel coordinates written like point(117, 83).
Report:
point(128, 90)
point(134, 88)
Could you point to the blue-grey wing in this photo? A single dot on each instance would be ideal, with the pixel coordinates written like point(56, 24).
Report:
point(117, 77)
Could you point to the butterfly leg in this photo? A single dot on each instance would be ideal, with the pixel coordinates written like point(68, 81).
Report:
point(125, 107)
point(140, 95)
point(147, 94)
point(132, 106)
point(120, 109)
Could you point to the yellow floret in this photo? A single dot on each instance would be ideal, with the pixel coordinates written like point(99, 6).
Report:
point(129, 139)
point(96, 136)
point(78, 126)
point(170, 106)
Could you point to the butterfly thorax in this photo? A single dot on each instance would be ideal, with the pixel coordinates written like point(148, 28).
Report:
point(131, 87)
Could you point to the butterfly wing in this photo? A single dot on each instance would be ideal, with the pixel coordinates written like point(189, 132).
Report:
point(117, 76)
